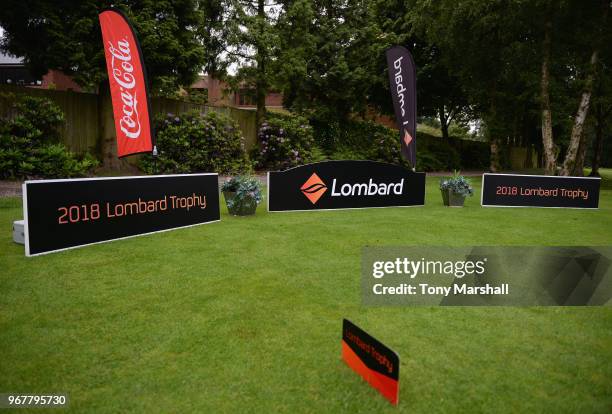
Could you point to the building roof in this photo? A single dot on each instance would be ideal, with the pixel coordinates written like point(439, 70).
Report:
point(6, 59)
point(201, 83)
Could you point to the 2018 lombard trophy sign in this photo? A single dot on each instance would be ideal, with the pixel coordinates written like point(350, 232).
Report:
point(343, 185)
point(514, 190)
point(63, 214)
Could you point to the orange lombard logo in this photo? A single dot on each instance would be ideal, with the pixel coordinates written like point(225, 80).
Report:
point(314, 188)
point(407, 138)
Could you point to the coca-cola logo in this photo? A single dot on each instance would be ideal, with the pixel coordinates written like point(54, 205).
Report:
point(122, 70)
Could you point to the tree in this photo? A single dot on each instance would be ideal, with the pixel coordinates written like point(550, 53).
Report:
point(212, 32)
point(514, 56)
point(488, 47)
point(597, 20)
point(330, 60)
point(548, 145)
point(602, 114)
point(602, 108)
point(439, 91)
point(572, 36)
point(250, 38)
point(65, 35)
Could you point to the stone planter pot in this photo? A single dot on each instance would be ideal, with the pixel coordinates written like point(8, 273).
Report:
point(246, 208)
point(444, 197)
point(452, 199)
point(455, 200)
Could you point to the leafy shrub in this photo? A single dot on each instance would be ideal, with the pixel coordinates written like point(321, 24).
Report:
point(37, 119)
point(377, 142)
point(347, 153)
point(245, 194)
point(54, 161)
point(358, 140)
point(458, 184)
point(29, 144)
point(474, 154)
point(436, 154)
point(192, 143)
point(367, 140)
point(428, 161)
point(284, 141)
point(458, 130)
point(327, 130)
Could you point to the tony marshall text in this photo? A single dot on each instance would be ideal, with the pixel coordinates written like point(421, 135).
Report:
point(426, 289)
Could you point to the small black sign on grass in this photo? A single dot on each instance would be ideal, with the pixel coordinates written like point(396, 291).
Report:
point(371, 359)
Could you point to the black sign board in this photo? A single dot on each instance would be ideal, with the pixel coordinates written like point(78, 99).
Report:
point(63, 214)
point(343, 185)
point(513, 190)
point(373, 360)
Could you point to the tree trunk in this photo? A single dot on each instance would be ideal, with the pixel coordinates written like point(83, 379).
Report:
point(261, 87)
point(578, 170)
point(570, 164)
point(260, 93)
point(493, 130)
point(550, 158)
point(495, 156)
point(108, 135)
point(443, 122)
point(572, 157)
point(529, 158)
point(598, 145)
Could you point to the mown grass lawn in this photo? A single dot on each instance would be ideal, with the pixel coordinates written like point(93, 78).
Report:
point(245, 316)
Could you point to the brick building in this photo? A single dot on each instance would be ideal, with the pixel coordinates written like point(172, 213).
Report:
point(14, 72)
point(220, 94)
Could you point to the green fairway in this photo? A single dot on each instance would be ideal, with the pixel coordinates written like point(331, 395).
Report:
point(245, 316)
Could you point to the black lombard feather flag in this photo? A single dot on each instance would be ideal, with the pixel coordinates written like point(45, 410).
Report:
point(402, 81)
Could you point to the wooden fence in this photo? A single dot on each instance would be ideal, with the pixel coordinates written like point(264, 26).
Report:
point(80, 131)
point(85, 121)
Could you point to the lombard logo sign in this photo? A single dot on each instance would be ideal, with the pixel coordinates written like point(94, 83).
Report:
point(314, 188)
point(122, 69)
point(331, 185)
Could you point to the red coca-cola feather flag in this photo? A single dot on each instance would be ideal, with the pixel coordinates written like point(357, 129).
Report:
point(128, 86)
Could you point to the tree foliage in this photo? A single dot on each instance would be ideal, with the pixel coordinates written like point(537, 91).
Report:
point(329, 57)
point(65, 35)
point(532, 73)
